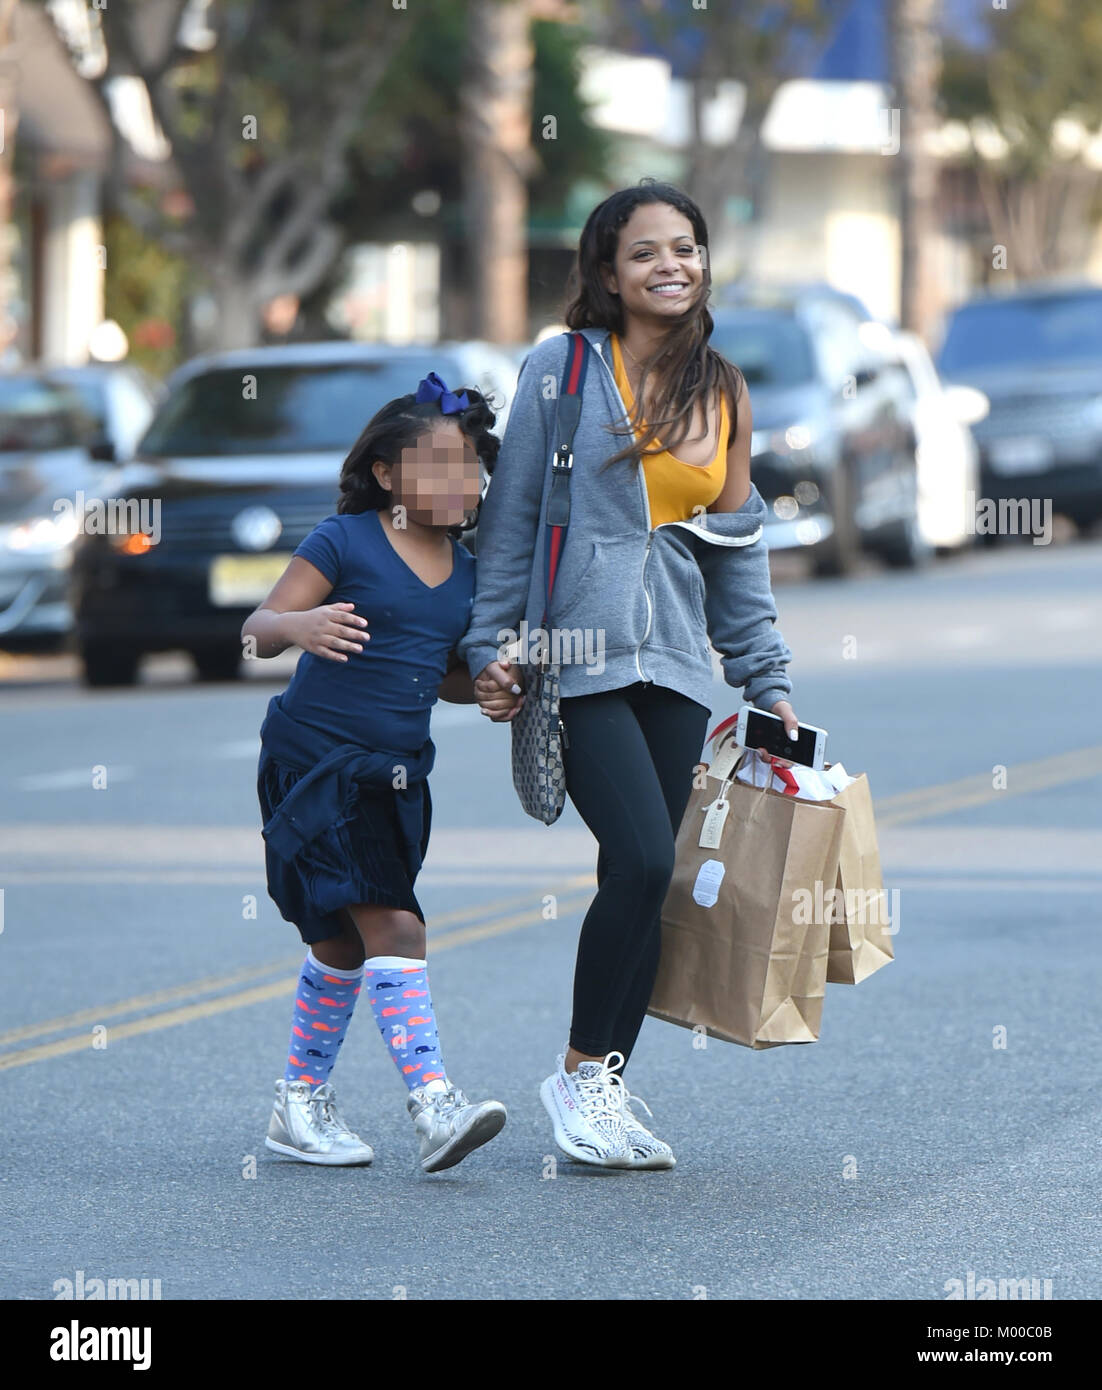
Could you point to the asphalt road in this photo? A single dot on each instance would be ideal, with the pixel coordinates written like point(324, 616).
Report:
point(144, 1156)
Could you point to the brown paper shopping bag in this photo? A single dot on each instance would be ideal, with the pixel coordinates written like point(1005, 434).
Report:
point(740, 957)
point(860, 927)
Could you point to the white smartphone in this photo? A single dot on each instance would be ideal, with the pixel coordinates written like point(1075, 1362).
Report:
point(757, 729)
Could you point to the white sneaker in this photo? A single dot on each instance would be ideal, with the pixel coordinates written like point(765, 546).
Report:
point(587, 1114)
point(307, 1125)
point(648, 1151)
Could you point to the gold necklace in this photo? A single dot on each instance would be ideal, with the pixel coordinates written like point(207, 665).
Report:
point(629, 352)
point(639, 378)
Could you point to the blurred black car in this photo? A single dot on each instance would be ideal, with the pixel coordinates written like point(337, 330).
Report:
point(240, 463)
point(833, 451)
point(1036, 354)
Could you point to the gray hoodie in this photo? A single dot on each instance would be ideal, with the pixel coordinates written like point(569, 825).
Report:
point(630, 603)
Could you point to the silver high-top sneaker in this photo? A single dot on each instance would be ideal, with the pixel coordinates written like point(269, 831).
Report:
point(450, 1125)
point(306, 1125)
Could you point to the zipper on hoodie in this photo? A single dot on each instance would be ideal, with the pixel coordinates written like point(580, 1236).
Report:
point(650, 530)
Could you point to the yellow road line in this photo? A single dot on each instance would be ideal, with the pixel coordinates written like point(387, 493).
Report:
point(215, 983)
point(188, 1013)
point(148, 1001)
point(977, 790)
point(921, 804)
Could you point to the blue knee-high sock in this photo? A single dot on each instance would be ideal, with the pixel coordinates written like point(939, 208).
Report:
point(398, 987)
point(324, 1001)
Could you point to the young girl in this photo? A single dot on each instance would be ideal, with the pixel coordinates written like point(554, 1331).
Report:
point(663, 556)
point(345, 753)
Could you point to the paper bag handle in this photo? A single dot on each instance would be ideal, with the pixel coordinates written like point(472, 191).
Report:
point(715, 812)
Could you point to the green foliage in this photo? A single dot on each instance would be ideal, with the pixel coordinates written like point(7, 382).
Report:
point(145, 292)
point(411, 139)
point(580, 151)
point(1044, 62)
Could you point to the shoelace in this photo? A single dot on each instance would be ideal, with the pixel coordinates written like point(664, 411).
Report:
point(323, 1101)
point(451, 1099)
point(602, 1100)
point(628, 1099)
point(625, 1099)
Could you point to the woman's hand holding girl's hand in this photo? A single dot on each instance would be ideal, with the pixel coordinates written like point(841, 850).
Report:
point(330, 630)
point(498, 691)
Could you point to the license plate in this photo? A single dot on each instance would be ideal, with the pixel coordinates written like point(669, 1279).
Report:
point(235, 581)
point(1021, 454)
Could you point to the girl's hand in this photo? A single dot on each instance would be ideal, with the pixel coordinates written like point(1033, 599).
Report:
point(791, 724)
point(330, 630)
point(498, 690)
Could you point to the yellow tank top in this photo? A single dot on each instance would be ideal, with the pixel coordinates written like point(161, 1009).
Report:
point(674, 487)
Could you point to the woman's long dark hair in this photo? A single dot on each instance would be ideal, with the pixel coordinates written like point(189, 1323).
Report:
point(399, 425)
point(689, 371)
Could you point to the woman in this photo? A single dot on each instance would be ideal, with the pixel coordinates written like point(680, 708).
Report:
point(664, 551)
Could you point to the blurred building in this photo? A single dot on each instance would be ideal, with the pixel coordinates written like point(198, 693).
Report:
point(829, 207)
point(63, 153)
point(62, 149)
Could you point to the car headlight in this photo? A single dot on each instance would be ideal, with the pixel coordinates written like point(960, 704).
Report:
point(132, 543)
point(794, 439)
point(41, 535)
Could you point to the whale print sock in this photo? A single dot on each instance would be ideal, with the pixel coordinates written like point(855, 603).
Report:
point(324, 1001)
point(398, 987)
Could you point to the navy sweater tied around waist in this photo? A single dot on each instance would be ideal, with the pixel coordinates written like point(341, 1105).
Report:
point(333, 772)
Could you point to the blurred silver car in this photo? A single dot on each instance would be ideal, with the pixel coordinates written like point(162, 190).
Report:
point(945, 451)
point(120, 400)
point(45, 441)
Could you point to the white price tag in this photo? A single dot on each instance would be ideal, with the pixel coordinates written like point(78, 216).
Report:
point(711, 832)
point(723, 764)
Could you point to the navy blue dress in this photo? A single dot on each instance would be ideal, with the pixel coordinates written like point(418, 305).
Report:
point(362, 844)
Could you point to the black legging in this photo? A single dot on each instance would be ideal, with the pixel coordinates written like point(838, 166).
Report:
point(629, 767)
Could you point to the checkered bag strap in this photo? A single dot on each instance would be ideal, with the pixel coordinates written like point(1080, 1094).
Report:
point(538, 734)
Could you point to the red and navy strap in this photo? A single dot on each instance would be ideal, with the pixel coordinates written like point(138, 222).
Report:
point(568, 410)
point(722, 727)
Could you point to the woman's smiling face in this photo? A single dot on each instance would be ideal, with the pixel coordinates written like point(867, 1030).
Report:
point(658, 272)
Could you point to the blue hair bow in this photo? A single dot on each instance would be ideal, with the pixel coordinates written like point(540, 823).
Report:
point(432, 388)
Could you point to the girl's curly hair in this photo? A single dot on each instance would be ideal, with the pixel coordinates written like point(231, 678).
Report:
point(399, 425)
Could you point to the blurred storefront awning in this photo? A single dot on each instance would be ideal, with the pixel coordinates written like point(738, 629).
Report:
point(60, 118)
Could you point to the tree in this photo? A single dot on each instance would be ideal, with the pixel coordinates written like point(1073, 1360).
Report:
point(496, 121)
point(916, 60)
point(752, 42)
point(357, 110)
point(410, 174)
point(9, 115)
point(1030, 99)
point(259, 124)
